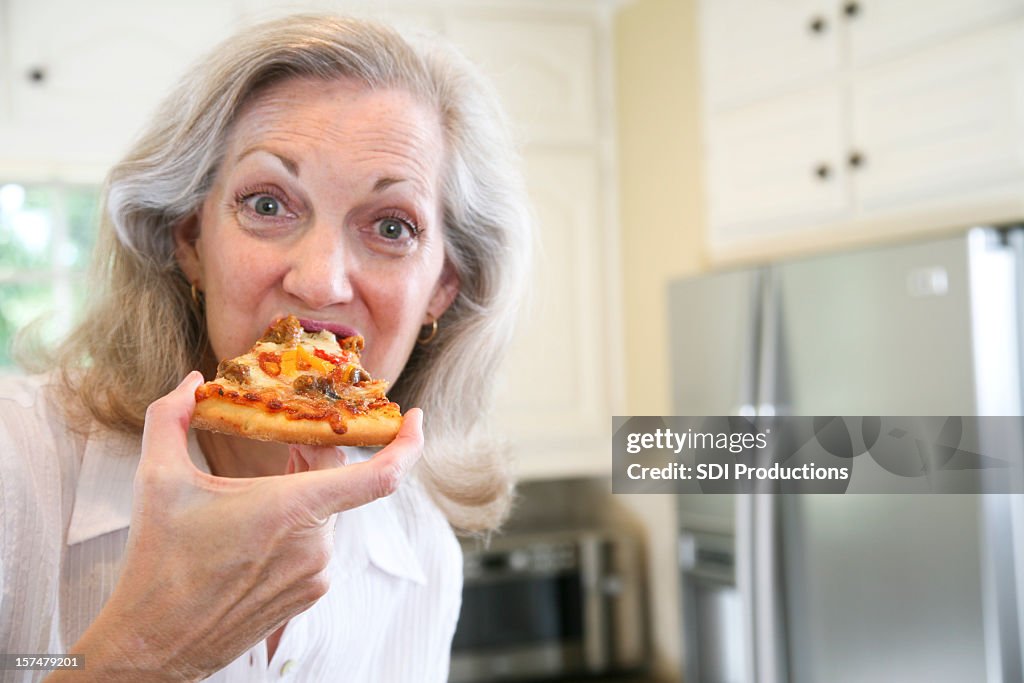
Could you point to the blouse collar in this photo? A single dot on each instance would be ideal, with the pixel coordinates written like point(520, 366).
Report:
point(103, 494)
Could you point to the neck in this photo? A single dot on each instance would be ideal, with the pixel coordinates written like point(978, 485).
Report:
point(232, 456)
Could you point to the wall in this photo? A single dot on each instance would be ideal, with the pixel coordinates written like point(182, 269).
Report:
point(662, 215)
point(662, 221)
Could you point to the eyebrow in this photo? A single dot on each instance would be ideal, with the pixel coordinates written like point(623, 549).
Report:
point(386, 182)
point(290, 165)
point(293, 167)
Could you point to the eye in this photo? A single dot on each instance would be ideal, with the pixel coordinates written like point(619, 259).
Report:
point(394, 228)
point(264, 204)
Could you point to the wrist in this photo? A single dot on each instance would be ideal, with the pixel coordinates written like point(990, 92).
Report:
point(117, 654)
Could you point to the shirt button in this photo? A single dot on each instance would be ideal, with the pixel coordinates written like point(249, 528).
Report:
point(288, 667)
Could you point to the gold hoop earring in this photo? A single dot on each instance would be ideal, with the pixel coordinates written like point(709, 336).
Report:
point(197, 296)
point(423, 341)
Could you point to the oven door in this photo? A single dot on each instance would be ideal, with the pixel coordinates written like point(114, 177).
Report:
point(519, 624)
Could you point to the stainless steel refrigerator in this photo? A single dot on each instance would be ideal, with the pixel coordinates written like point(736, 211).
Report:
point(854, 587)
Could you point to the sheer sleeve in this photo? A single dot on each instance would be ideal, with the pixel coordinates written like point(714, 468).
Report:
point(31, 521)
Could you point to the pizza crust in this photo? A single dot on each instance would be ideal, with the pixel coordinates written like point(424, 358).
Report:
point(377, 427)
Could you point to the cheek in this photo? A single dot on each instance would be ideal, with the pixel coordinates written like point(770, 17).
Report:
point(397, 308)
point(403, 299)
point(239, 272)
point(236, 284)
point(397, 315)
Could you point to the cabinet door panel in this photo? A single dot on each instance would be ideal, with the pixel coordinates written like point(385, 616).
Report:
point(888, 27)
point(763, 161)
point(554, 384)
point(100, 71)
point(544, 71)
point(753, 48)
point(945, 121)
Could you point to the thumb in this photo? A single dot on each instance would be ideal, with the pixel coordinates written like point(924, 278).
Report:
point(342, 488)
point(165, 435)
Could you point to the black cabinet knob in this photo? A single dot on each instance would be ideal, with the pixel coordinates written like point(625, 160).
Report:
point(817, 25)
point(36, 74)
point(851, 9)
point(822, 171)
point(855, 159)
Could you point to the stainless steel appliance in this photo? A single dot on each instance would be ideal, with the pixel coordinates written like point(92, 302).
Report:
point(549, 604)
point(846, 588)
point(715, 651)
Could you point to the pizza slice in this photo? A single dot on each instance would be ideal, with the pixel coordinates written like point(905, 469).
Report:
point(296, 386)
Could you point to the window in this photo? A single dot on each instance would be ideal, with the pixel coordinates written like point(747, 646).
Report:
point(46, 236)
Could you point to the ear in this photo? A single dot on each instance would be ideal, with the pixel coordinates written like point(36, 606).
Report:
point(445, 291)
point(186, 252)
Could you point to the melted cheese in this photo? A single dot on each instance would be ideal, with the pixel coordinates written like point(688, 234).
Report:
point(323, 340)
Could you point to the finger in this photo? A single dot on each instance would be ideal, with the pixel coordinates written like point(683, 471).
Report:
point(320, 457)
point(165, 435)
point(343, 488)
point(293, 461)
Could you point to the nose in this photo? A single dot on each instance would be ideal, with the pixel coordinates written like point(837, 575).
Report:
point(318, 272)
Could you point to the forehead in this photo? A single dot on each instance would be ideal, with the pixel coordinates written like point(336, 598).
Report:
point(340, 116)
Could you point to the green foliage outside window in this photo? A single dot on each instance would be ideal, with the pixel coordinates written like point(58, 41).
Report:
point(46, 236)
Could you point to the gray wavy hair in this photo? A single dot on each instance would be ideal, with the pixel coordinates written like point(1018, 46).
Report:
point(144, 332)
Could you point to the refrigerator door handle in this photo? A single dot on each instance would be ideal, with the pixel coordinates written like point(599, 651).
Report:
point(768, 361)
point(758, 580)
point(764, 547)
point(749, 374)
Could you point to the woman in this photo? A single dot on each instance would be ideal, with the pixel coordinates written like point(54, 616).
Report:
point(317, 166)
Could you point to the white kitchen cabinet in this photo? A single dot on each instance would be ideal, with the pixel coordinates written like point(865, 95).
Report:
point(556, 388)
point(81, 87)
point(753, 48)
point(947, 120)
point(546, 71)
point(778, 159)
point(920, 126)
point(880, 29)
point(756, 48)
point(546, 66)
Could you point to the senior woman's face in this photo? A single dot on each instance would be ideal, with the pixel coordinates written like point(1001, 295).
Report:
point(327, 205)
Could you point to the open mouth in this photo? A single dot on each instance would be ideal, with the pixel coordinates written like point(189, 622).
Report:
point(337, 329)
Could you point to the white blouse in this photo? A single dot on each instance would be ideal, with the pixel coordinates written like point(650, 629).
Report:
point(65, 504)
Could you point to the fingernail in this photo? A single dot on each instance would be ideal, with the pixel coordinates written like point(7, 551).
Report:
point(193, 377)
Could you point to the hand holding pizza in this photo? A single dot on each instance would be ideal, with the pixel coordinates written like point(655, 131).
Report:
point(212, 564)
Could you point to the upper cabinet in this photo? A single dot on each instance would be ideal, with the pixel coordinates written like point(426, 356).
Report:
point(943, 121)
point(546, 72)
point(79, 89)
point(755, 48)
point(882, 29)
point(777, 157)
point(859, 119)
point(548, 69)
